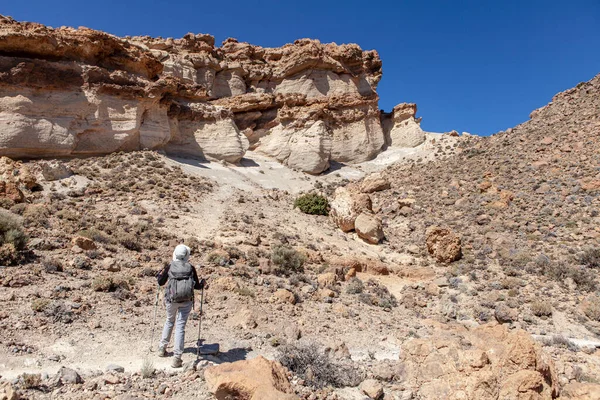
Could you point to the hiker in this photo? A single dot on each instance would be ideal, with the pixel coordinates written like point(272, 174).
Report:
point(181, 279)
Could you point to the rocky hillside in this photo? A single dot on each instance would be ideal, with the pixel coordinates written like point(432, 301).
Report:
point(75, 92)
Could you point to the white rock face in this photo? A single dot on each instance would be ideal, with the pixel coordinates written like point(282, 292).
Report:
point(307, 149)
point(401, 128)
point(357, 141)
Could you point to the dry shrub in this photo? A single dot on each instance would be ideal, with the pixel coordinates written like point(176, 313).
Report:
point(591, 258)
point(147, 368)
point(39, 305)
point(287, 260)
point(95, 235)
point(355, 286)
point(129, 241)
point(13, 239)
point(316, 368)
point(584, 277)
point(541, 308)
point(31, 381)
point(109, 284)
point(376, 294)
point(591, 308)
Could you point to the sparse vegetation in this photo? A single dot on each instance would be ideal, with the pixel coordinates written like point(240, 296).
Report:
point(316, 368)
point(355, 286)
point(39, 305)
point(591, 308)
point(287, 260)
point(148, 369)
point(591, 258)
point(541, 308)
point(13, 239)
point(377, 295)
point(312, 203)
point(109, 284)
point(31, 381)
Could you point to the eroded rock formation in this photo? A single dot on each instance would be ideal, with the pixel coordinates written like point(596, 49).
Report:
point(69, 92)
point(401, 128)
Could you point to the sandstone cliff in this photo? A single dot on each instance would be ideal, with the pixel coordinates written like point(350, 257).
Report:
point(70, 92)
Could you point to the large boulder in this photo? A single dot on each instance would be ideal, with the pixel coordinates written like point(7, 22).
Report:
point(256, 379)
point(496, 364)
point(347, 204)
point(443, 244)
point(369, 228)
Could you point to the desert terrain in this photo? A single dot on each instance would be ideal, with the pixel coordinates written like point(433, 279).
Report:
point(349, 254)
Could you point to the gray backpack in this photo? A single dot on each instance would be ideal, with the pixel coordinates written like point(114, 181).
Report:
point(180, 287)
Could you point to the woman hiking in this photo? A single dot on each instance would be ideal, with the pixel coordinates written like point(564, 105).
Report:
point(181, 279)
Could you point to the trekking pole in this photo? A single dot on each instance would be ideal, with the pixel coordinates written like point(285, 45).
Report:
point(154, 318)
point(199, 343)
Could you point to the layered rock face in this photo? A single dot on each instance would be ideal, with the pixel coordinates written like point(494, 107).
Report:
point(70, 92)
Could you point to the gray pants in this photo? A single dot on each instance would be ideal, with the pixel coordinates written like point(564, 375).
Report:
point(181, 311)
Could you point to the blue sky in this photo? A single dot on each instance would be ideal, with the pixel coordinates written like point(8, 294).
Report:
point(479, 66)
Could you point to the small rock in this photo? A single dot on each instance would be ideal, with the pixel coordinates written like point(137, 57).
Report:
point(284, 296)
point(68, 376)
point(115, 368)
point(374, 183)
point(111, 265)
point(327, 279)
point(505, 314)
point(406, 202)
point(111, 379)
point(54, 171)
point(83, 243)
point(371, 388)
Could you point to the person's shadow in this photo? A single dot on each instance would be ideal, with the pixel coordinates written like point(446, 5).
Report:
point(230, 355)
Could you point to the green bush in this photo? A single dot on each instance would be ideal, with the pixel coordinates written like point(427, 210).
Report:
point(312, 203)
point(287, 260)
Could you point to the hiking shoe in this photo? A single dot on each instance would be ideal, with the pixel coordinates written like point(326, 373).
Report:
point(177, 363)
point(162, 351)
